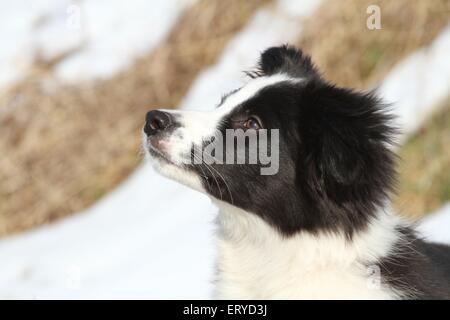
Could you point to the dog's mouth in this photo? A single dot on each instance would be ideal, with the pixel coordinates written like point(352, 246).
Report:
point(157, 148)
point(158, 151)
point(155, 153)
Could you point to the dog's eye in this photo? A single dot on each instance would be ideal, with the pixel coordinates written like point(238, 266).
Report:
point(252, 123)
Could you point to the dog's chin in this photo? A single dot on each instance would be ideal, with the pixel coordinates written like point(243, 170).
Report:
point(163, 163)
point(159, 157)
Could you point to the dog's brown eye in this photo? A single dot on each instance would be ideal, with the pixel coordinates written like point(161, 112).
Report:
point(252, 123)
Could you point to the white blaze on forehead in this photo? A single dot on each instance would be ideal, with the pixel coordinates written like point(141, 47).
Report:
point(250, 90)
point(197, 126)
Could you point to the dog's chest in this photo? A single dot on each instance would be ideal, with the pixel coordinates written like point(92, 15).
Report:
point(287, 272)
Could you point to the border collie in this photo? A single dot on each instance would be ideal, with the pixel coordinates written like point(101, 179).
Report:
point(320, 227)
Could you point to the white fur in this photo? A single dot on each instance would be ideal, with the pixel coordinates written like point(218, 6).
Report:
point(256, 262)
point(171, 171)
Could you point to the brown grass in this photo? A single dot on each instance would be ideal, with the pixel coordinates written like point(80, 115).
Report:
point(63, 148)
point(350, 54)
point(424, 181)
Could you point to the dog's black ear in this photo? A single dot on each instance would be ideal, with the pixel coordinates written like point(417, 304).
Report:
point(342, 160)
point(348, 136)
point(286, 59)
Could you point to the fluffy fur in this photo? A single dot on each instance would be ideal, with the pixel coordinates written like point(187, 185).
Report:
point(321, 226)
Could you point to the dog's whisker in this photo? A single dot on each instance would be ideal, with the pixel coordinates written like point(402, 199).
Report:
point(224, 181)
point(212, 174)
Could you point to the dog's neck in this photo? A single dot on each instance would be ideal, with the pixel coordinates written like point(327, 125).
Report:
point(256, 261)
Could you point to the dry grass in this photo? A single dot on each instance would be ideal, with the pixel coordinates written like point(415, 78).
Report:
point(63, 148)
point(349, 54)
point(424, 181)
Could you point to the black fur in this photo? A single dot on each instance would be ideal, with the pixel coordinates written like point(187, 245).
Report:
point(335, 166)
point(285, 59)
point(417, 269)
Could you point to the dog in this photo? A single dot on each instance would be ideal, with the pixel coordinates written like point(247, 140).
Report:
point(320, 226)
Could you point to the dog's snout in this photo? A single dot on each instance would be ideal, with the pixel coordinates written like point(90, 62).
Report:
point(156, 121)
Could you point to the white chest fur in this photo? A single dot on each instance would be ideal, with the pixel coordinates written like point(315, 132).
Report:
point(255, 262)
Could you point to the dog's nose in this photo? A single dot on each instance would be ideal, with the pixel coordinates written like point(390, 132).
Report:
point(156, 121)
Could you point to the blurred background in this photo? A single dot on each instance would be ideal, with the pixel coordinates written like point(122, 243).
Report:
point(80, 216)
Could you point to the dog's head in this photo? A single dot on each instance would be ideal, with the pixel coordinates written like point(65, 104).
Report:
point(288, 146)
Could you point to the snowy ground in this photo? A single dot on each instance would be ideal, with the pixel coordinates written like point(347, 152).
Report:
point(110, 33)
point(436, 227)
point(418, 83)
point(153, 238)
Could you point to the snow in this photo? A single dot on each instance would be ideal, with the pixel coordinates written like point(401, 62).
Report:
point(17, 18)
point(99, 37)
point(116, 33)
point(419, 83)
point(151, 237)
point(123, 247)
point(436, 226)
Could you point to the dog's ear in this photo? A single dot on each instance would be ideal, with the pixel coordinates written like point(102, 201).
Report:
point(348, 136)
point(286, 59)
point(341, 159)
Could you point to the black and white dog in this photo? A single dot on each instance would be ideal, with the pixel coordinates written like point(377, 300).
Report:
point(320, 227)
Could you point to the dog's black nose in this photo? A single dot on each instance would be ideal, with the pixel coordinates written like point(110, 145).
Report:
point(156, 121)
